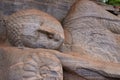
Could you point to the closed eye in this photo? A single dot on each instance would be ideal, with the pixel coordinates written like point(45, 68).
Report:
point(49, 35)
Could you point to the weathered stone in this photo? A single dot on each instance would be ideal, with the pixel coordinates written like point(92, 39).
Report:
point(27, 64)
point(91, 36)
point(12, 59)
point(57, 8)
point(35, 29)
point(68, 75)
point(90, 30)
point(2, 29)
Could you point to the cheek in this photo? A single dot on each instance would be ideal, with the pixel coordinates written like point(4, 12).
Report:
point(37, 39)
point(42, 39)
point(29, 29)
point(46, 42)
point(53, 43)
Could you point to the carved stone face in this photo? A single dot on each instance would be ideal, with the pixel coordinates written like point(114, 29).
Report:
point(36, 29)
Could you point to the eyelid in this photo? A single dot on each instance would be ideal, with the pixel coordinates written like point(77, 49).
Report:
point(45, 32)
point(49, 35)
point(47, 29)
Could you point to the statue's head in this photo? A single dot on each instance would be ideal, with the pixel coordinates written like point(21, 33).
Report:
point(35, 29)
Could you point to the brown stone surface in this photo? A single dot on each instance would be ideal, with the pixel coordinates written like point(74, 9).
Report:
point(34, 28)
point(13, 60)
point(72, 76)
point(27, 64)
point(91, 48)
point(90, 30)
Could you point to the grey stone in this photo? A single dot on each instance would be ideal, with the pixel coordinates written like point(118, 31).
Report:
point(56, 8)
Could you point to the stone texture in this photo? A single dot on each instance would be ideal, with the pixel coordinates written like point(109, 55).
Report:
point(2, 29)
point(91, 49)
point(68, 75)
point(90, 30)
point(17, 64)
point(88, 67)
point(34, 28)
point(57, 8)
point(12, 61)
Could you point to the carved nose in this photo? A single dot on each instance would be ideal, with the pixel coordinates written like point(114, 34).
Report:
point(57, 37)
